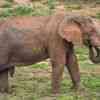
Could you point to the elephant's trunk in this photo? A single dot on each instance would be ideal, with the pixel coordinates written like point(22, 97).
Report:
point(94, 54)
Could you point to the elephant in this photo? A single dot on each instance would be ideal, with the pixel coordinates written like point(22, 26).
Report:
point(29, 40)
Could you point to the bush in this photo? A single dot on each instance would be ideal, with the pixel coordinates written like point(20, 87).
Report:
point(52, 4)
point(9, 0)
point(98, 15)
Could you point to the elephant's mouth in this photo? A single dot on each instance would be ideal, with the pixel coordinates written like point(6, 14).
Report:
point(94, 54)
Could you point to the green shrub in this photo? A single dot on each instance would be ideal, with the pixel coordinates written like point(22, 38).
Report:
point(73, 6)
point(6, 12)
point(17, 11)
point(23, 10)
point(7, 5)
point(98, 15)
point(9, 0)
point(52, 4)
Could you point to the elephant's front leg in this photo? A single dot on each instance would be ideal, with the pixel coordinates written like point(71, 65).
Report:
point(73, 67)
point(57, 71)
point(58, 61)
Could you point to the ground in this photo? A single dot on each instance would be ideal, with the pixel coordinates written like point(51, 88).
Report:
point(34, 82)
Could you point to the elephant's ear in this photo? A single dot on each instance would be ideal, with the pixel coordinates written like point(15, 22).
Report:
point(71, 33)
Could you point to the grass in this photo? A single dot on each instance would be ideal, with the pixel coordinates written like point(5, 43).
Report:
point(52, 3)
point(73, 6)
point(90, 81)
point(25, 10)
point(43, 65)
point(6, 5)
point(98, 15)
point(9, 0)
point(18, 11)
point(34, 87)
point(37, 86)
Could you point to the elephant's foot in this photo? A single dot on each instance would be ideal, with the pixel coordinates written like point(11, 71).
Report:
point(75, 86)
point(4, 84)
point(55, 91)
point(78, 87)
point(55, 94)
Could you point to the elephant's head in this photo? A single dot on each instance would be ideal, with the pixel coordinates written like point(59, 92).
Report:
point(82, 30)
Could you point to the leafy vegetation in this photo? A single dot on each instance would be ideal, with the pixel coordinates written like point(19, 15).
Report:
point(23, 10)
point(98, 15)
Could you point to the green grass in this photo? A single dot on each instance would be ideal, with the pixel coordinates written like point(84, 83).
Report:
point(6, 5)
point(18, 11)
point(52, 3)
point(73, 6)
point(91, 82)
point(98, 15)
point(37, 88)
point(43, 65)
point(9, 0)
point(25, 10)
point(42, 85)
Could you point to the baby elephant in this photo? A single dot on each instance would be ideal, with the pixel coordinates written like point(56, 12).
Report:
point(28, 40)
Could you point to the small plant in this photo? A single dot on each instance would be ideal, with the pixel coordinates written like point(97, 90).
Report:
point(9, 0)
point(98, 15)
point(73, 6)
point(17, 11)
point(6, 12)
point(51, 4)
point(23, 10)
point(6, 5)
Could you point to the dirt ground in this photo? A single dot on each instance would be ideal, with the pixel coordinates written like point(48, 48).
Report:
point(35, 84)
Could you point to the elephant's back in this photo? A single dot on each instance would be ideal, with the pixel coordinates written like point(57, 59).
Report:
point(24, 21)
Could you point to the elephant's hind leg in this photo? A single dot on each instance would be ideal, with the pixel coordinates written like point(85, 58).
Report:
point(5, 67)
point(4, 84)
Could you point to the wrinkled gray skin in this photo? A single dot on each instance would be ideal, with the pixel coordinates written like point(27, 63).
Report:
point(28, 40)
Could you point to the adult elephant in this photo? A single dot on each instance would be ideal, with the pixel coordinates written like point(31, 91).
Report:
point(28, 40)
